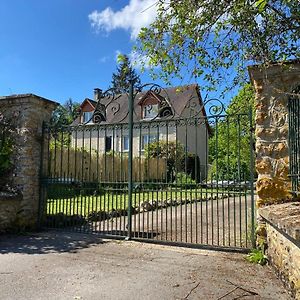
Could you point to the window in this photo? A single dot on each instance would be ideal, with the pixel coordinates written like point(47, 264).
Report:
point(150, 111)
point(108, 143)
point(125, 143)
point(87, 117)
point(147, 139)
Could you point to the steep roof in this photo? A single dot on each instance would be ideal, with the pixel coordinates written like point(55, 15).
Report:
point(90, 101)
point(178, 97)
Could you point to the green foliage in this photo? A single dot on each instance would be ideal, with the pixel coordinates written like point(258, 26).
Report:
point(5, 153)
point(173, 152)
point(216, 40)
point(257, 256)
point(184, 179)
point(58, 191)
point(121, 79)
point(65, 114)
point(6, 144)
point(229, 146)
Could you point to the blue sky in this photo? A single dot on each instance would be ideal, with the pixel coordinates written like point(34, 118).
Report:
point(65, 48)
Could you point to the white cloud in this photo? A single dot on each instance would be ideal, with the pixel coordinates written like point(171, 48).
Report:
point(139, 60)
point(132, 17)
point(136, 59)
point(103, 59)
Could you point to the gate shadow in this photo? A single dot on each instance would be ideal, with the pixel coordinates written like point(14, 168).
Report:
point(124, 233)
point(47, 242)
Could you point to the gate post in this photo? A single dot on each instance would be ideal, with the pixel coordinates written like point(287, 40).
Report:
point(29, 111)
point(273, 85)
point(278, 200)
point(130, 154)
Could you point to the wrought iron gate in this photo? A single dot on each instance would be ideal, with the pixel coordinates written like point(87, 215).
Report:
point(294, 140)
point(157, 171)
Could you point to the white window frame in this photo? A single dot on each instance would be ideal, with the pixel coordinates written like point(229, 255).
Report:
point(87, 116)
point(124, 143)
point(150, 111)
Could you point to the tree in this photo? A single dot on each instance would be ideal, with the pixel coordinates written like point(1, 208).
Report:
point(230, 144)
point(65, 114)
point(62, 116)
point(213, 38)
point(121, 79)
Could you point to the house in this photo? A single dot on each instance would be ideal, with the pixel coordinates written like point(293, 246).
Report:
point(174, 114)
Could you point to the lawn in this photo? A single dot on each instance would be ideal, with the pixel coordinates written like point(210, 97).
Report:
point(118, 198)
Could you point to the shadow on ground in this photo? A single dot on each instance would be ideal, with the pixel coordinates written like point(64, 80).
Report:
point(43, 243)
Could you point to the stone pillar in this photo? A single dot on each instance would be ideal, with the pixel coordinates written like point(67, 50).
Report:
point(272, 85)
point(30, 111)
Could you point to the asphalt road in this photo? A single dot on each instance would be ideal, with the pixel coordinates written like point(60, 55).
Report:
point(76, 266)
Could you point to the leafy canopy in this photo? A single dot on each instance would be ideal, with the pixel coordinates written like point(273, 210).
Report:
point(65, 114)
point(230, 144)
point(215, 40)
point(121, 79)
point(62, 116)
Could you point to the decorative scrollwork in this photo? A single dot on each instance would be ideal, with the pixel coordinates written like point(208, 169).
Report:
point(193, 107)
point(114, 107)
point(165, 112)
point(214, 107)
point(106, 101)
point(110, 107)
point(165, 108)
point(155, 88)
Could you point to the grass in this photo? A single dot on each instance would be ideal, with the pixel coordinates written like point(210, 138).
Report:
point(118, 199)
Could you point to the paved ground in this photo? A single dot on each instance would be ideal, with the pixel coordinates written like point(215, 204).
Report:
point(76, 266)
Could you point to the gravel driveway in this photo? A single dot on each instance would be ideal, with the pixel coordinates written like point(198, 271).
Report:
point(76, 266)
point(224, 222)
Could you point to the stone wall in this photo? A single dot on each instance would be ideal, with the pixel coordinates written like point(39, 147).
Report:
point(283, 239)
point(278, 225)
point(29, 111)
point(272, 86)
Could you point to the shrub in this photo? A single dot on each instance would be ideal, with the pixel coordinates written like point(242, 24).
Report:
point(61, 191)
point(257, 256)
point(173, 152)
point(183, 179)
point(7, 135)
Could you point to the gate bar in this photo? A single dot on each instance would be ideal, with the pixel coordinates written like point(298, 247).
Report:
point(130, 136)
point(253, 239)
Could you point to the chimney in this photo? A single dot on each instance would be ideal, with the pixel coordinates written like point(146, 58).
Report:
point(97, 94)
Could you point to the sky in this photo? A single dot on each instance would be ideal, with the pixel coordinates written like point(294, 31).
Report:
point(63, 49)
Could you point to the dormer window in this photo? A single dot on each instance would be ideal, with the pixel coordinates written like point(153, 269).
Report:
point(154, 106)
point(150, 111)
point(87, 117)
